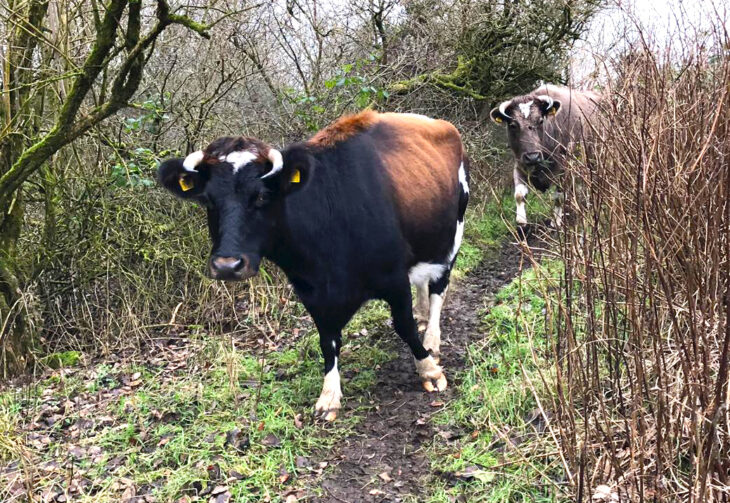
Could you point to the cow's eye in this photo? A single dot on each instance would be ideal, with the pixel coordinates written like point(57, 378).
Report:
point(260, 200)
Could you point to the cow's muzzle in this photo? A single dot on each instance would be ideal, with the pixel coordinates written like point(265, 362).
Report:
point(532, 157)
point(231, 268)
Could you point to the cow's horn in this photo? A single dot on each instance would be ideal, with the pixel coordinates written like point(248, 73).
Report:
point(503, 108)
point(276, 160)
point(192, 160)
point(547, 99)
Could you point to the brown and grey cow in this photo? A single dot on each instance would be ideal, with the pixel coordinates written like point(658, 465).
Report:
point(543, 127)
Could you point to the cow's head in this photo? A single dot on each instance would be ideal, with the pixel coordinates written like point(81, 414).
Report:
point(242, 183)
point(525, 118)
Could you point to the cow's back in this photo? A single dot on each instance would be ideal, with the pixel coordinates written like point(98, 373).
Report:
point(569, 125)
point(420, 158)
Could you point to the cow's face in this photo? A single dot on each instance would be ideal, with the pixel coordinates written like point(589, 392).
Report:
point(241, 182)
point(525, 119)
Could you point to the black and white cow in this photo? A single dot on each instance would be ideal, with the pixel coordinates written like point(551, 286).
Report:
point(369, 205)
point(542, 128)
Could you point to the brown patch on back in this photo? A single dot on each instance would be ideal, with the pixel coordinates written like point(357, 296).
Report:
point(422, 157)
point(343, 128)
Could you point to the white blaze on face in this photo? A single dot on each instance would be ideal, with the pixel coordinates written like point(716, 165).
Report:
point(525, 108)
point(240, 159)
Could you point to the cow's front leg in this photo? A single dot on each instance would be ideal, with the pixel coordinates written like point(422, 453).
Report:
point(520, 195)
point(329, 400)
point(558, 200)
point(431, 374)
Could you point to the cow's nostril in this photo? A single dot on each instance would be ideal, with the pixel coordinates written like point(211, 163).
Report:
point(227, 264)
point(532, 156)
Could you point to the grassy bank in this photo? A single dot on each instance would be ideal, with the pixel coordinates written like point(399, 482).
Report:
point(494, 444)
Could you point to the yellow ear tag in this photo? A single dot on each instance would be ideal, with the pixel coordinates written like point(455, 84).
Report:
point(552, 111)
point(296, 177)
point(186, 183)
point(498, 120)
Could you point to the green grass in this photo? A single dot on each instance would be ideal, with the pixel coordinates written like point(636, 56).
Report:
point(169, 430)
point(502, 453)
point(490, 224)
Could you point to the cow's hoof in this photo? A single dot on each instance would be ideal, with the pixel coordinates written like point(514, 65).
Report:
point(422, 325)
point(329, 415)
point(441, 384)
point(328, 405)
point(431, 373)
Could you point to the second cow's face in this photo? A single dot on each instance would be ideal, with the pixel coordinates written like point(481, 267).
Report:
point(525, 118)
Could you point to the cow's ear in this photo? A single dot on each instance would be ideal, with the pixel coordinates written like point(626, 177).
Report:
point(296, 172)
point(183, 183)
point(498, 117)
point(550, 108)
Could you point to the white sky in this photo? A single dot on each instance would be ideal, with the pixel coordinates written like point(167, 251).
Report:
point(664, 23)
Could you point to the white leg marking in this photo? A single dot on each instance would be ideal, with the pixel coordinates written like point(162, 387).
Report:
point(520, 194)
point(432, 338)
point(429, 370)
point(329, 399)
point(421, 309)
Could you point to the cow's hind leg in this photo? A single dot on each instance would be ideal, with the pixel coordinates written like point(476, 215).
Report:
point(420, 310)
point(437, 291)
point(431, 374)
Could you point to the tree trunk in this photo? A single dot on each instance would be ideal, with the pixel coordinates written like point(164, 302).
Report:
point(17, 313)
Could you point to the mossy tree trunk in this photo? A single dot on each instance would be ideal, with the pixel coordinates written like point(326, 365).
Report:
point(23, 151)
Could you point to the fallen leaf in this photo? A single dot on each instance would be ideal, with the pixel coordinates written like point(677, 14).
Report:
point(474, 472)
point(385, 477)
point(298, 422)
point(271, 440)
point(437, 403)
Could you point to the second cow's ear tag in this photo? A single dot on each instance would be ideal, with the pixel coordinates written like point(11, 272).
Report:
point(186, 183)
point(498, 120)
point(296, 176)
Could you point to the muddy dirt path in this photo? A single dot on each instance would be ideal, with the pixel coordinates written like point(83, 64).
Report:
point(385, 459)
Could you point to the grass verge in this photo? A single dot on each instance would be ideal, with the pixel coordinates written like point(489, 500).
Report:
point(495, 443)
